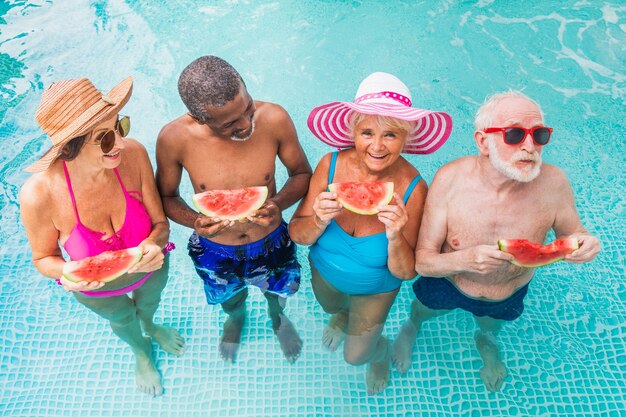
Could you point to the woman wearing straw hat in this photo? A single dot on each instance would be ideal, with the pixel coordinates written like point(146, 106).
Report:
point(358, 262)
point(94, 191)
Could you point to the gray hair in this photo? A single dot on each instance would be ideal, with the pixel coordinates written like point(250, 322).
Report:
point(485, 114)
point(208, 81)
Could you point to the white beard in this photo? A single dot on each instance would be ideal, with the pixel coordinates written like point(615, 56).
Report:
point(238, 139)
point(508, 169)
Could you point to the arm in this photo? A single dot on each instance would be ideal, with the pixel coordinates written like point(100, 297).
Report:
point(316, 209)
point(292, 156)
point(152, 246)
point(402, 228)
point(168, 174)
point(42, 234)
point(567, 222)
point(429, 260)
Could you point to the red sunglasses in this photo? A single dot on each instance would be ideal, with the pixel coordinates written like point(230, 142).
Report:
point(106, 140)
point(514, 135)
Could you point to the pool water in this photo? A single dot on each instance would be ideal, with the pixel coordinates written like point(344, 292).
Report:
point(566, 355)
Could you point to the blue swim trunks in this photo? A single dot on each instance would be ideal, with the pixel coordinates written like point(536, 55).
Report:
point(442, 294)
point(269, 263)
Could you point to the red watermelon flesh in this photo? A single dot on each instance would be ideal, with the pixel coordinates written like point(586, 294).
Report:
point(363, 197)
point(230, 204)
point(104, 267)
point(532, 255)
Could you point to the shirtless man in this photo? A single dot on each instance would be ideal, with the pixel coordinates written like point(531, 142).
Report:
point(503, 193)
point(228, 141)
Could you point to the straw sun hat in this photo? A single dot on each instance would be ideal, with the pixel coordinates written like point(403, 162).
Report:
point(71, 108)
point(381, 94)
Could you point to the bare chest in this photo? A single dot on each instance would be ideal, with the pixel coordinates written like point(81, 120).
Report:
point(229, 168)
point(484, 219)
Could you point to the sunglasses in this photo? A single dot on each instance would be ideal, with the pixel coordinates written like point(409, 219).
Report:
point(516, 135)
point(106, 140)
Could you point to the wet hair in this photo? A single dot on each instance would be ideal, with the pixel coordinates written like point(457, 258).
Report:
point(383, 122)
point(485, 114)
point(208, 81)
point(72, 148)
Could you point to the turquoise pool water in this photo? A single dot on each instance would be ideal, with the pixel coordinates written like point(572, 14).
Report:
point(566, 355)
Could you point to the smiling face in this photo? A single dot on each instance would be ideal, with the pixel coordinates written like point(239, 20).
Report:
point(377, 142)
point(521, 162)
point(92, 147)
point(235, 119)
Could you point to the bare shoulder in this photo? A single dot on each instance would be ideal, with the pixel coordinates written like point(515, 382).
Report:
point(553, 173)
point(324, 164)
point(455, 170)
point(553, 178)
point(407, 169)
point(36, 191)
point(272, 112)
point(275, 118)
point(134, 147)
point(175, 131)
point(135, 152)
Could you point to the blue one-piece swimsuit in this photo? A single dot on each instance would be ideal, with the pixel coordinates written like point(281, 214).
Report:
point(355, 265)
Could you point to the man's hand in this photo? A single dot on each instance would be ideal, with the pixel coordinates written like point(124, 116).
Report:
point(589, 246)
point(267, 215)
point(486, 259)
point(208, 227)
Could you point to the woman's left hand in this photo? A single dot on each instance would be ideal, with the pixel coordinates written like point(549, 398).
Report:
point(394, 217)
point(152, 258)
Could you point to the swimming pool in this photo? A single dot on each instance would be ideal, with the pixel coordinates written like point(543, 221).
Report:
point(566, 355)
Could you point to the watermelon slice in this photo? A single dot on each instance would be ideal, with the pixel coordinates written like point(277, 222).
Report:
point(532, 255)
point(363, 197)
point(230, 204)
point(105, 267)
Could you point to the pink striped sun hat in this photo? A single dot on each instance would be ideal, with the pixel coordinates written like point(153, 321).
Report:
point(385, 95)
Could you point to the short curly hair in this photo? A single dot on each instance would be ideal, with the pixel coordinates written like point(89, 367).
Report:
point(208, 81)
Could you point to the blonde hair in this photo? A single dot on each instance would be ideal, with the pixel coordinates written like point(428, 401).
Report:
point(384, 122)
point(485, 114)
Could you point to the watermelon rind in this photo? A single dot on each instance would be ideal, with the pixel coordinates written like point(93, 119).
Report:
point(387, 186)
point(75, 270)
point(261, 195)
point(569, 244)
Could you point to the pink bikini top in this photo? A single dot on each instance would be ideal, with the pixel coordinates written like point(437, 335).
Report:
point(84, 242)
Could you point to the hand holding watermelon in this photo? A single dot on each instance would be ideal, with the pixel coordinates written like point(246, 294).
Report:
point(71, 286)
point(152, 257)
point(394, 217)
point(93, 272)
point(588, 248)
point(209, 227)
point(485, 259)
point(326, 207)
point(268, 214)
point(533, 255)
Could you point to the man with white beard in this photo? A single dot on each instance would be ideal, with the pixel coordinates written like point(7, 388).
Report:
point(503, 193)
